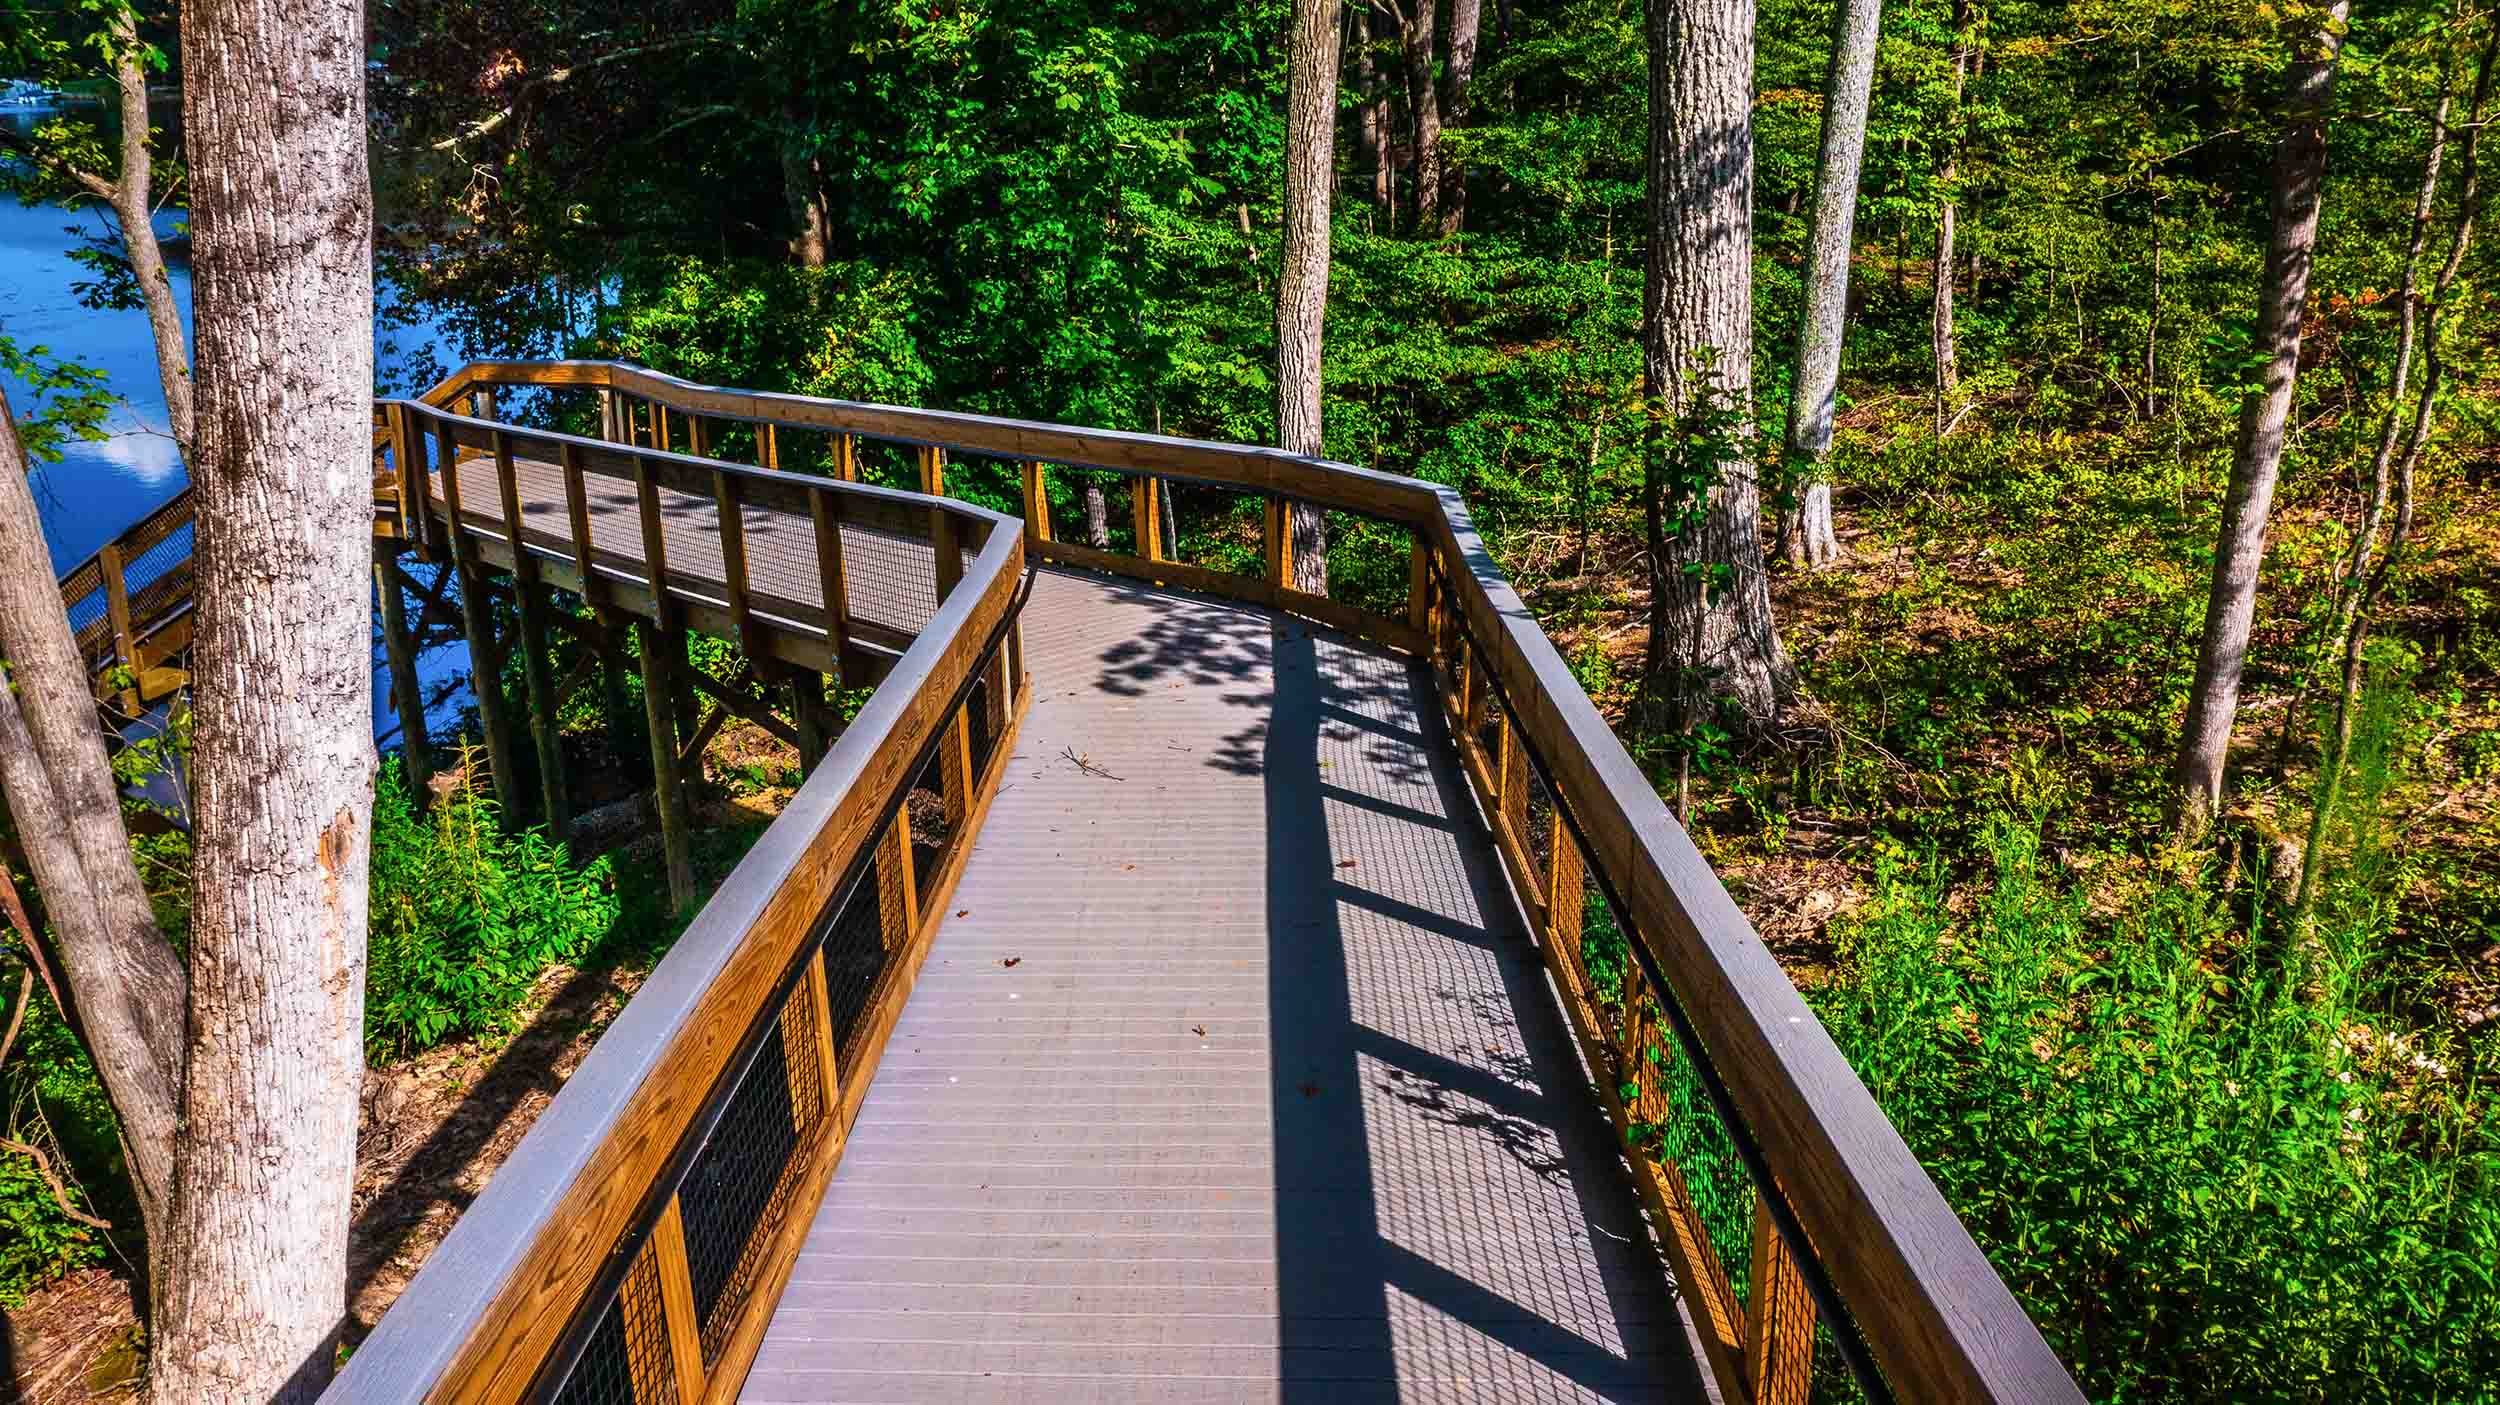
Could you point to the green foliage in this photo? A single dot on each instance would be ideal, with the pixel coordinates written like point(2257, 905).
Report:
point(2204, 1180)
point(51, 1100)
point(466, 918)
point(69, 401)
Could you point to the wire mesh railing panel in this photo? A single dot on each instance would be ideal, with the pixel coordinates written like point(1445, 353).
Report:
point(627, 1360)
point(859, 952)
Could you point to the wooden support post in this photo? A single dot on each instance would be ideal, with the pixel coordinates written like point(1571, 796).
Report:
point(946, 552)
point(1419, 589)
point(555, 807)
point(846, 457)
point(1779, 1319)
point(685, 1330)
point(1279, 544)
point(1512, 769)
point(1149, 518)
point(654, 545)
point(932, 470)
point(477, 620)
point(1036, 502)
point(768, 444)
point(807, 710)
point(400, 648)
point(698, 437)
point(728, 501)
point(659, 426)
point(577, 524)
point(607, 414)
point(898, 889)
point(955, 774)
point(117, 609)
point(815, 992)
point(661, 649)
point(833, 588)
point(508, 493)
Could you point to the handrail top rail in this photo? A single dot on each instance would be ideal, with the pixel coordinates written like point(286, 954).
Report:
point(988, 517)
point(467, 1272)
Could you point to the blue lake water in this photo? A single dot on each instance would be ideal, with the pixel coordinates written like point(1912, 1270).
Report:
point(97, 489)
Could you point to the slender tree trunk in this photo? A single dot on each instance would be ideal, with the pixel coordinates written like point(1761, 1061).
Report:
point(1466, 19)
point(1806, 534)
point(1097, 518)
point(1375, 117)
point(2365, 579)
point(1302, 288)
point(2257, 458)
point(125, 978)
point(1948, 373)
point(1710, 603)
point(803, 187)
point(1416, 41)
point(255, 1270)
point(133, 202)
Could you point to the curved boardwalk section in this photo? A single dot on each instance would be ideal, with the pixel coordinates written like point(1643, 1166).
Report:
point(1232, 1075)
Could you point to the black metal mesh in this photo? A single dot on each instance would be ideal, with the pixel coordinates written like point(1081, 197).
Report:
point(890, 578)
point(857, 963)
point(630, 1346)
point(739, 1189)
point(981, 726)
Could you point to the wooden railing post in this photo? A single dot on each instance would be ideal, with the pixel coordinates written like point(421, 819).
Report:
point(846, 457)
point(898, 889)
point(117, 610)
point(1149, 517)
point(728, 501)
point(684, 1330)
point(698, 437)
point(1279, 534)
point(1779, 1319)
point(833, 586)
point(932, 462)
point(1419, 591)
point(1036, 501)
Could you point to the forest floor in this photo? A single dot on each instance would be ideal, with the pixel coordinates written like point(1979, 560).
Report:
point(433, 1128)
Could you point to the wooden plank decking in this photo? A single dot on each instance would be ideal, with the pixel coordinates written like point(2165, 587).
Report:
point(1273, 1102)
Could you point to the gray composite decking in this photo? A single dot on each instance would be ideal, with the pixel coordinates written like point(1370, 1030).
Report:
point(1273, 1102)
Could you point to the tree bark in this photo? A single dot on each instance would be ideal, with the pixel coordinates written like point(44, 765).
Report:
point(124, 977)
point(2257, 457)
point(1302, 288)
point(1806, 535)
point(803, 188)
point(1948, 373)
point(1466, 21)
point(1097, 518)
point(1710, 626)
point(1375, 117)
point(255, 1269)
point(2365, 578)
point(1416, 25)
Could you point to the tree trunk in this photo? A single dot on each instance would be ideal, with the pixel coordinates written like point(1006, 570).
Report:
point(1710, 626)
point(123, 975)
point(1375, 117)
point(1302, 288)
point(2364, 579)
point(255, 1269)
point(2257, 457)
point(1466, 19)
point(1806, 536)
point(1948, 373)
point(1097, 518)
point(133, 203)
point(1416, 25)
point(803, 187)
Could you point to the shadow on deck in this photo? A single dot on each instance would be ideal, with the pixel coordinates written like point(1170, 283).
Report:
point(1234, 1074)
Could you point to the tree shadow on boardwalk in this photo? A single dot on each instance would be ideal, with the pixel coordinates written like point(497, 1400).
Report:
point(1453, 1220)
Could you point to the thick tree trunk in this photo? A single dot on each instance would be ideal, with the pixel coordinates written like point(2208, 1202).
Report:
point(123, 975)
point(2257, 458)
point(1466, 20)
point(133, 203)
point(1302, 289)
point(1948, 373)
point(1806, 536)
point(1417, 24)
point(255, 1269)
point(1710, 627)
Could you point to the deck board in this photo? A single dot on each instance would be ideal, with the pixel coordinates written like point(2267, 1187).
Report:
point(1274, 1104)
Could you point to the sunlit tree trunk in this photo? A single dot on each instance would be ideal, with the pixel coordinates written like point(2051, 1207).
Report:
point(1302, 288)
point(1948, 212)
point(1806, 536)
point(255, 1267)
point(1710, 626)
point(123, 976)
point(2257, 456)
point(1466, 21)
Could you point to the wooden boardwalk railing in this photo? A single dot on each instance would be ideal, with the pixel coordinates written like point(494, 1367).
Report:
point(1789, 1209)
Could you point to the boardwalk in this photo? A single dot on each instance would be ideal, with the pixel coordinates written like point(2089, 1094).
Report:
point(1231, 1075)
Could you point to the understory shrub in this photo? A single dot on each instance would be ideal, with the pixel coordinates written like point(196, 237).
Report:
point(466, 917)
point(2206, 1178)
